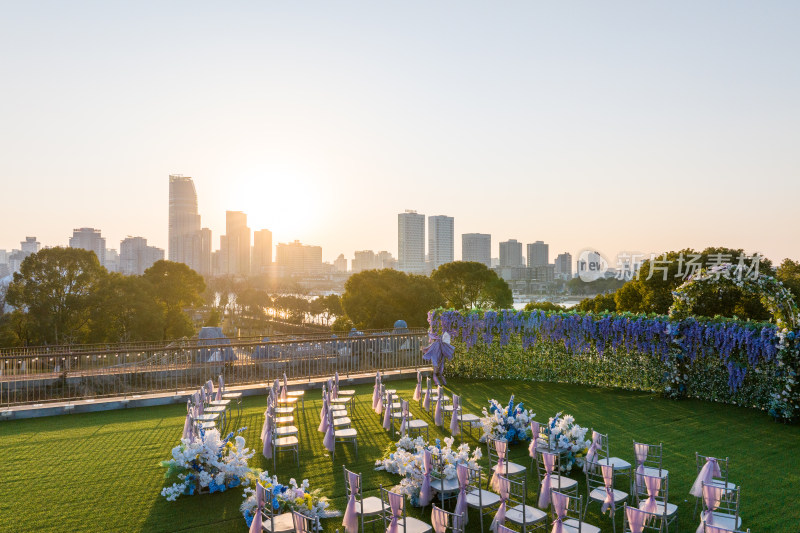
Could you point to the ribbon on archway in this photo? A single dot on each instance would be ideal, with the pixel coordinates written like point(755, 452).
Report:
point(437, 352)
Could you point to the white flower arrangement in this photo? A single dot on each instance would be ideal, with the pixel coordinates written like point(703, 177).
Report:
point(568, 437)
point(510, 422)
point(286, 498)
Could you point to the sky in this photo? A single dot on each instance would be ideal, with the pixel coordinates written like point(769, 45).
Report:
point(616, 126)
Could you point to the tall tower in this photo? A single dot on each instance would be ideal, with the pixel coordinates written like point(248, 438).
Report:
point(538, 254)
point(89, 239)
point(185, 240)
point(440, 240)
point(411, 242)
point(511, 253)
point(262, 251)
point(477, 247)
point(235, 244)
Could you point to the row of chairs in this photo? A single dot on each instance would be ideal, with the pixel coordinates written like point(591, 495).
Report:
point(208, 409)
point(335, 421)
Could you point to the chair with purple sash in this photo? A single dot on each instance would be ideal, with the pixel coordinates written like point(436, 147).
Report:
point(359, 510)
point(418, 389)
point(376, 391)
point(636, 520)
point(425, 401)
point(527, 517)
point(499, 519)
point(715, 529)
point(712, 471)
point(345, 435)
point(477, 497)
point(393, 510)
point(648, 461)
point(444, 521)
point(720, 508)
point(300, 523)
point(497, 450)
point(567, 513)
point(283, 442)
point(548, 464)
point(600, 449)
point(600, 484)
point(281, 523)
point(652, 495)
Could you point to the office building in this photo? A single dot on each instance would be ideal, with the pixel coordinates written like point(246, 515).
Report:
point(262, 251)
point(295, 258)
point(30, 246)
point(411, 242)
point(234, 246)
point(384, 259)
point(563, 266)
point(112, 260)
point(364, 260)
point(340, 264)
point(89, 239)
point(511, 254)
point(440, 240)
point(477, 247)
point(538, 254)
point(135, 256)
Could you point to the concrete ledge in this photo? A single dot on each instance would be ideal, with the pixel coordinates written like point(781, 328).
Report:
point(93, 405)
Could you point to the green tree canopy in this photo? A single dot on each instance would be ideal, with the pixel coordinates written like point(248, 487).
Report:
point(788, 273)
point(54, 292)
point(175, 287)
point(544, 306)
point(469, 285)
point(377, 298)
point(126, 310)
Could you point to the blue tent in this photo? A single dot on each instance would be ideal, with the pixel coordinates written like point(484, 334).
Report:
point(213, 337)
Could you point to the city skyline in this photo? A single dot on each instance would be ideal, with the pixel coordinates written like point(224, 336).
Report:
point(629, 138)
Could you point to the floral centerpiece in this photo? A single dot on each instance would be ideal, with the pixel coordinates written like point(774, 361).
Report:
point(287, 498)
point(510, 422)
point(567, 437)
point(207, 464)
point(405, 458)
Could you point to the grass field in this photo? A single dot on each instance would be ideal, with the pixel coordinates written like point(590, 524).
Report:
point(101, 472)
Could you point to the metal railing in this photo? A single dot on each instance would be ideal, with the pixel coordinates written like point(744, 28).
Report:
point(48, 374)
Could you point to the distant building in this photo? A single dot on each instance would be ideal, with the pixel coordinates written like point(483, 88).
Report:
point(477, 247)
point(186, 239)
point(30, 245)
point(234, 246)
point(511, 254)
point(384, 259)
point(411, 242)
point(563, 266)
point(538, 254)
point(262, 251)
point(135, 256)
point(440, 240)
point(340, 264)
point(89, 239)
point(112, 260)
point(295, 258)
point(363, 260)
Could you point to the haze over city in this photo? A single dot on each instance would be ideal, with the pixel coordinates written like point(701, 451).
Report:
point(640, 128)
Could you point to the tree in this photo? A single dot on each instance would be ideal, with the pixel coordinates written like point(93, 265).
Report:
point(544, 306)
point(53, 294)
point(469, 285)
point(788, 273)
point(126, 310)
point(175, 287)
point(377, 298)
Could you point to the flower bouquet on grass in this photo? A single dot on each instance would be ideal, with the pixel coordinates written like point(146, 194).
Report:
point(207, 464)
point(510, 422)
point(287, 498)
point(405, 458)
point(568, 438)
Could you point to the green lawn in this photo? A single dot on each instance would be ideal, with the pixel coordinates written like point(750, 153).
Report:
point(100, 471)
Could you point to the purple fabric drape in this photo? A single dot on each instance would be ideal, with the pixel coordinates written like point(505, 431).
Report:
point(425, 493)
point(534, 438)
point(404, 419)
point(188, 430)
point(323, 423)
point(329, 441)
point(707, 474)
point(396, 503)
point(653, 485)
point(379, 408)
point(256, 525)
point(439, 520)
point(336, 384)
point(437, 415)
point(285, 389)
point(209, 388)
point(300, 522)
point(426, 403)
point(350, 521)
point(376, 391)
point(608, 481)
point(504, 529)
point(500, 517)
point(640, 452)
point(501, 447)
point(266, 436)
point(437, 352)
point(560, 502)
point(549, 460)
point(418, 389)
point(387, 415)
point(202, 393)
point(219, 388)
point(455, 428)
point(591, 454)
point(712, 496)
point(636, 519)
point(462, 474)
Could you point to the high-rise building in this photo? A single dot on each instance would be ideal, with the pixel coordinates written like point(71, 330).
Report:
point(262, 251)
point(411, 242)
point(30, 245)
point(384, 259)
point(89, 239)
point(538, 254)
point(205, 267)
point(112, 260)
point(135, 256)
point(364, 260)
point(563, 268)
point(477, 247)
point(440, 240)
point(296, 258)
point(185, 241)
point(235, 244)
point(511, 253)
point(340, 264)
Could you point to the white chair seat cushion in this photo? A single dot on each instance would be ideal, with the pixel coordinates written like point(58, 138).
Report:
point(220, 403)
point(284, 410)
point(295, 393)
point(414, 525)
point(287, 400)
point(347, 392)
point(513, 469)
point(654, 472)
point(283, 523)
point(722, 484)
point(571, 526)
point(564, 483)
point(396, 406)
point(345, 433)
point(345, 421)
point(532, 515)
point(285, 431)
point(372, 506)
point(617, 463)
point(341, 399)
point(286, 441)
point(232, 395)
point(486, 498)
point(468, 417)
point(727, 521)
point(448, 408)
point(284, 419)
point(671, 507)
point(417, 424)
point(599, 495)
